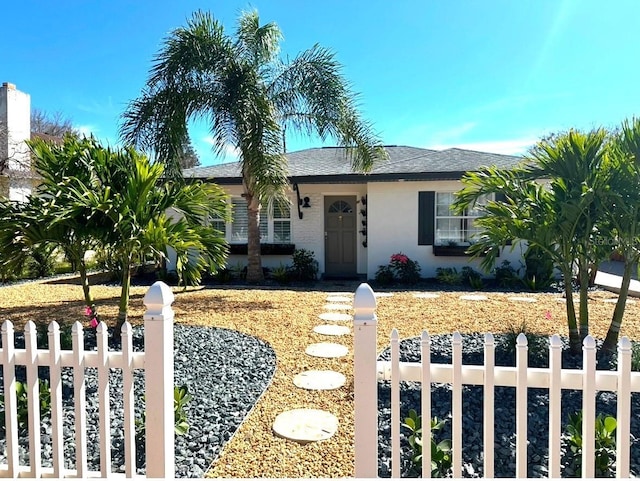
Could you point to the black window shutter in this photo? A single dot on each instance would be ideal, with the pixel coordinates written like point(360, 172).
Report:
point(426, 218)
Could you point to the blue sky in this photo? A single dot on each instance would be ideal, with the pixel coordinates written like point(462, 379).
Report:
point(490, 75)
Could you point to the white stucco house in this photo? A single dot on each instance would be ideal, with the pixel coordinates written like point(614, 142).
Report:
point(354, 222)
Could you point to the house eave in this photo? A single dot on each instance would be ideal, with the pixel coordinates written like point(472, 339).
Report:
point(349, 178)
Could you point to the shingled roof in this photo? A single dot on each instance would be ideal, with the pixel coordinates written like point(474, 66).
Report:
point(330, 164)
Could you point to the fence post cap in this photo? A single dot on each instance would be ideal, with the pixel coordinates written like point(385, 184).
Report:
point(159, 294)
point(364, 305)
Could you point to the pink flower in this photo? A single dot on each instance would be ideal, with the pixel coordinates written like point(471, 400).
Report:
point(94, 323)
point(547, 315)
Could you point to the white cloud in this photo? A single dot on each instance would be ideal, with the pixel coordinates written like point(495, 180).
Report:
point(87, 130)
point(508, 147)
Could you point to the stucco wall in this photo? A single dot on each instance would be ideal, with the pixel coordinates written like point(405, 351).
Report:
point(393, 227)
point(308, 232)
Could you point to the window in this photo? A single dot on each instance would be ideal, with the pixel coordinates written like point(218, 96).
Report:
point(281, 223)
point(273, 229)
point(452, 229)
point(439, 225)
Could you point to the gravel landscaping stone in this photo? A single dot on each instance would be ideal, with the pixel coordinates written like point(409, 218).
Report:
point(505, 439)
point(224, 370)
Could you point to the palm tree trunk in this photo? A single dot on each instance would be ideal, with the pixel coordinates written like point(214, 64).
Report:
point(124, 297)
point(254, 262)
point(611, 340)
point(575, 343)
point(583, 276)
point(82, 269)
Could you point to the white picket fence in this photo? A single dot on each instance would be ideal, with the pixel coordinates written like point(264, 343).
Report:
point(157, 362)
point(368, 371)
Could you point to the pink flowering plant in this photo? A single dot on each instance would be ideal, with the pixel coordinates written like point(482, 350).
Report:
point(92, 314)
point(400, 269)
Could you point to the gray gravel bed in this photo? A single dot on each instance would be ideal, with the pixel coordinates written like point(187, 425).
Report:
point(224, 370)
point(505, 439)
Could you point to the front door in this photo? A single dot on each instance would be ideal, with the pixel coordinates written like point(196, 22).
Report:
point(340, 235)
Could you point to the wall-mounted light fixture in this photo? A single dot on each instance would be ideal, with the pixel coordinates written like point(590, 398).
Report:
point(304, 202)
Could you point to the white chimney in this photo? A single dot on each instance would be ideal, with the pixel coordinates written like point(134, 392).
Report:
point(15, 128)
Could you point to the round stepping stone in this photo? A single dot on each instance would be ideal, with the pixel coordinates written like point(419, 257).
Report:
point(523, 299)
point(339, 299)
point(383, 294)
point(473, 297)
point(426, 295)
point(337, 307)
point(332, 330)
point(305, 425)
point(613, 301)
point(326, 349)
point(319, 380)
point(335, 316)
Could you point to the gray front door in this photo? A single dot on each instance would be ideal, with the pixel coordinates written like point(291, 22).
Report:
point(340, 235)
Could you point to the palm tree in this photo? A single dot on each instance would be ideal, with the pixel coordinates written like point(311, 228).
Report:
point(143, 215)
point(623, 205)
point(561, 219)
point(250, 97)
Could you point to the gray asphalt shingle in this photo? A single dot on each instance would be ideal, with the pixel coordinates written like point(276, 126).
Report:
point(332, 161)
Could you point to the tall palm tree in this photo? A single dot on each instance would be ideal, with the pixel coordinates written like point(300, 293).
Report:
point(249, 97)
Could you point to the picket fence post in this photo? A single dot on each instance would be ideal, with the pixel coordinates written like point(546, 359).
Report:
point(365, 383)
point(158, 347)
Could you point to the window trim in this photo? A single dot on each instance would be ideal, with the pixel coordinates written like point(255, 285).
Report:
point(270, 234)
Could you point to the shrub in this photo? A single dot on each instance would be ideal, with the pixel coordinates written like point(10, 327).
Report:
point(605, 444)
point(107, 261)
point(440, 451)
point(39, 263)
point(181, 398)
point(66, 337)
point(22, 410)
point(281, 274)
point(538, 269)
point(404, 269)
point(472, 277)
point(384, 275)
point(449, 276)
point(305, 266)
point(506, 275)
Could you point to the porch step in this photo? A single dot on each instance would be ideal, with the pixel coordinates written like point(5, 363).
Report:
point(305, 425)
point(332, 330)
point(326, 349)
point(319, 380)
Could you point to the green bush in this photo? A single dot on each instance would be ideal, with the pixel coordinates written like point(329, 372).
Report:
point(106, 260)
point(304, 265)
point(281, 274)
point(39, 263)
point(66, 337)
point(605, 444)
point(181, 398)
point(506, 275)
point(449, 276)
point(384, 275)
point(22, 410)
point(538, 269)
point(440, 450)
point(472, 277)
